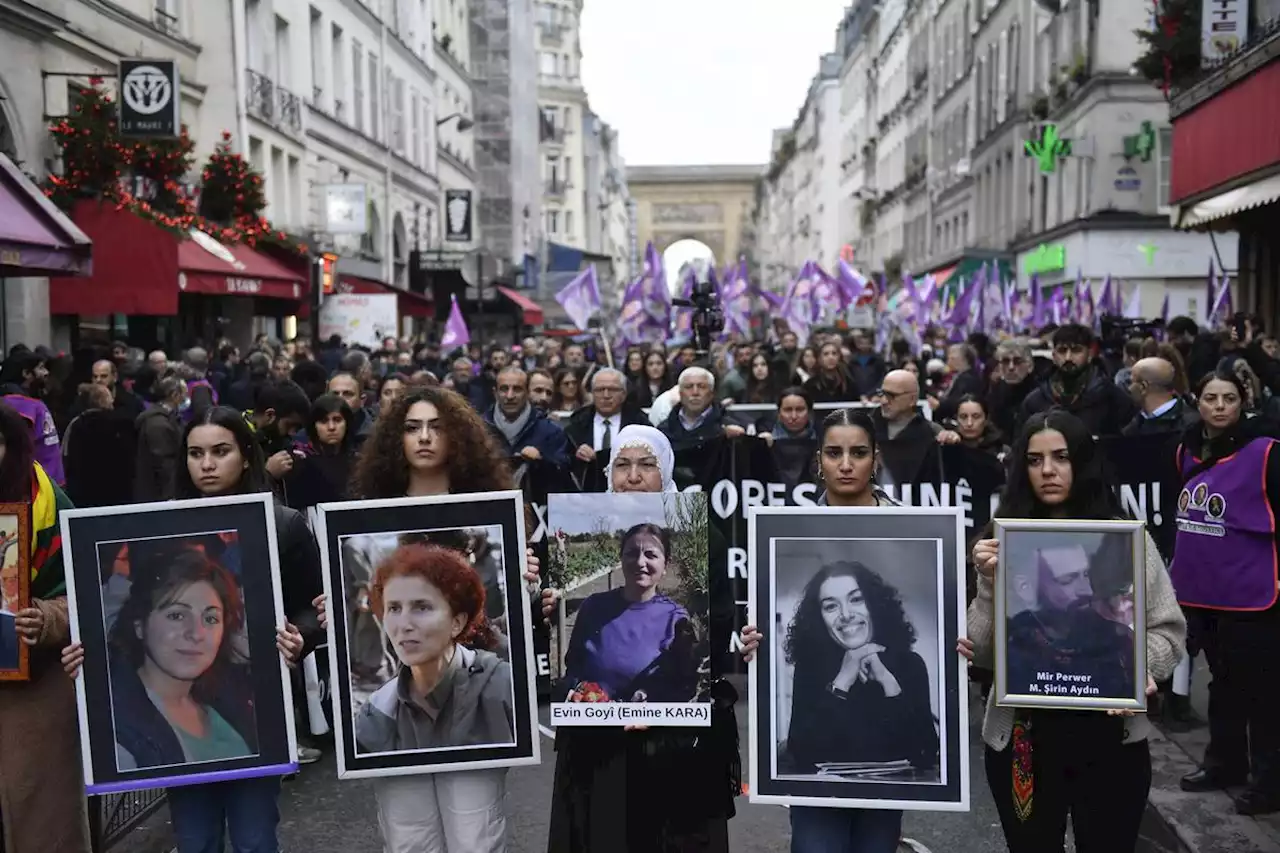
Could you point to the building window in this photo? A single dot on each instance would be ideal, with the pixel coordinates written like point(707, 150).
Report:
point(568, 223)
point(338, 55)
point(283, 77)
point(316, 35)
point(547, 63)
point(375, 105)
point(1164, 153)
point(553, 222)
point(396, 93)
point(415, 123)
point(357, 86)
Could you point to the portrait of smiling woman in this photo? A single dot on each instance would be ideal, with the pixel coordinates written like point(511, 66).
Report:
point(175, 674)
point(860, 694)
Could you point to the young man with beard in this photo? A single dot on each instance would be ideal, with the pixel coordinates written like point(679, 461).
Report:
point(1079, 386)
point(279, 410)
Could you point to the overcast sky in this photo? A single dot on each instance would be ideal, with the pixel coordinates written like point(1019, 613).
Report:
point(690, 82)
point(576, 514)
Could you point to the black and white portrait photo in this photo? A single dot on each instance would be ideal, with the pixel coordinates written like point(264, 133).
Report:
point(430, 634)
point(857, 692)
point(1068, 592)
point(177, 606)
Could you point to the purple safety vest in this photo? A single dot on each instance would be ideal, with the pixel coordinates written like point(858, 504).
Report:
point(1225, 554)
point(44, 435)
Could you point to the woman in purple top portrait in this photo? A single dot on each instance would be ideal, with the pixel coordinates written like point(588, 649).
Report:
point(635, 643)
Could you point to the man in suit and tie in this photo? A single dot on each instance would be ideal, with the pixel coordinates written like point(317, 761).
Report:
point(592, 428)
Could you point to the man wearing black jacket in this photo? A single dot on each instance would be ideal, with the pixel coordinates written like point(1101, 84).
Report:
point(591, 429)
point(1017, 380)
point(1079, 387)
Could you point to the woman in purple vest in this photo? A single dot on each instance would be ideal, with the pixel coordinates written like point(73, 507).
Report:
point(1045, 765)
point(1224, 572)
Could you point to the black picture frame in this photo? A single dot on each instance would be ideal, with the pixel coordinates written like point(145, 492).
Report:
point(89, 536)
point(502, 511)
point(914, 548)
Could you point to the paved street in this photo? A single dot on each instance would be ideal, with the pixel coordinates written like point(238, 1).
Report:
point(320, 815)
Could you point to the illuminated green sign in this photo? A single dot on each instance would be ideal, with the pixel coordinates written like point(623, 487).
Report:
point(1142, 144)
point(1047, 257)
point(1048, 148)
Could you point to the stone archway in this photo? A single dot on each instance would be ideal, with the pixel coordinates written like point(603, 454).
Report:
point(682, 253)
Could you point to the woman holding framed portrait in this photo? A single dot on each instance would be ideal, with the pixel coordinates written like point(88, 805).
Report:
point(431, 442)
point(1045, 764)
point(865, 674)
point(1224, 571)
point(171, 719)
point(690, 775)
point(42, 788)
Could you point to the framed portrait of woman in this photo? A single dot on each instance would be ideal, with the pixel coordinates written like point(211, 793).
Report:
point(1065, 594)
point(15, 585)
point(430, 634)
point(858, 698)
point(177, 605)
point(632, 645)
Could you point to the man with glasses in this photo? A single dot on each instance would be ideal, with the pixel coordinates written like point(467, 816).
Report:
point(1016, 371)
point(906, 438)
point(592, 429)
point(1080, 387)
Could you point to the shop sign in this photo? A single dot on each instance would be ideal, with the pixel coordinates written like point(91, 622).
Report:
point(457, 208)
point(244, 285)
point(1047, 257)
point(1127, 180)
point(1141, 144)
point(1047, 147)
point(149, 98)
point(1224, 27)
point(345, 208)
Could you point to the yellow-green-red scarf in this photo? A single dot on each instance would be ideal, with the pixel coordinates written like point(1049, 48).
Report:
point(47, 577)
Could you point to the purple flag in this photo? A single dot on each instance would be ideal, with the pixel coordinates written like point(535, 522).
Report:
point(456, 333)
point(580, 298)
point(657, 296)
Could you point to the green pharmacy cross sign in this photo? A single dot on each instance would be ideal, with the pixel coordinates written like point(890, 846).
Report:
point(1141, 145)
point(1048, 149)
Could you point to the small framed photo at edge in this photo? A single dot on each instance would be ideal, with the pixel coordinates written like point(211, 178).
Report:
point(1070, 597)
point(15, 585)
point(430, 634)
point(857, 697)
point(177, 605)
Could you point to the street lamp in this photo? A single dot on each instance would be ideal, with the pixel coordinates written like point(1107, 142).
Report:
point(464, 123)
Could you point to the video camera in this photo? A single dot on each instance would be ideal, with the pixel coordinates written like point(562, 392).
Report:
point(1117, 330)
point(708, 319)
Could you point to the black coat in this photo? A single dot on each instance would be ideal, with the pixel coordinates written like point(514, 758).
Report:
point(1103, 407)
point(300, 575)
point(98, 457)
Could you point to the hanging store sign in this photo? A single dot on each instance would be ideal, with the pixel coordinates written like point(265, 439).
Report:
point(149, 98)
point(457, 216)
point(345, 208)
point(1224, 27)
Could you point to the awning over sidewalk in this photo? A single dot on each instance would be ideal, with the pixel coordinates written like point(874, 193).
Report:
point(140, 268)
point(36, 238)
point(408, 303)
point(1229, 203)
point(531, 311)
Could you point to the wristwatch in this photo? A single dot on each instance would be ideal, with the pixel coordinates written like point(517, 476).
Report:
point(836, 691)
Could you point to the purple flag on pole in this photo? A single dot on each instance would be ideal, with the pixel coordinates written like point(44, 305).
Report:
point(456, 333)
point(580, 298)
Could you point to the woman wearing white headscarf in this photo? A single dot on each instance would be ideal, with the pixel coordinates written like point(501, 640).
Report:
point(665, 790)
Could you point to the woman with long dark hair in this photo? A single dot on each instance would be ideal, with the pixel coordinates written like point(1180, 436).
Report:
point(1224, 571)
point(222, 458)
point(1043, 765)
point(846, 462)
point(432, 442)
point(860, 693)
point(323, 469)
point(655, 380)
point(41, 788)
point(831, 381)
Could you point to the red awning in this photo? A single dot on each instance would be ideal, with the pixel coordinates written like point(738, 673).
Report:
point(531, 310)
point(1234, 134)
point(139, 268)
point(408, 303)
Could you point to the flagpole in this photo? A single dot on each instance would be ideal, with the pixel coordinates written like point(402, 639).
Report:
point(608, 347)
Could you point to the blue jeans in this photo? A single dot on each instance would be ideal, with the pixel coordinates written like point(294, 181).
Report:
point(817, 830)
point(248, 810)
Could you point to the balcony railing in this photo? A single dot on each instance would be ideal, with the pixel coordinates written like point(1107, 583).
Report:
point(552, 134)
point(290, 111)
point(552, 34)
point(165, 22)
point(555, 188)
point(261, 97)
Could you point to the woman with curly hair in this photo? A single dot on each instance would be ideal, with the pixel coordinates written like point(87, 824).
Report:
point(859, 693)
point(432, 442)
